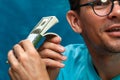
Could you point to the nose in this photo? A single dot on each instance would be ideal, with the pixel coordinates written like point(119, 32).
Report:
point(116, 10)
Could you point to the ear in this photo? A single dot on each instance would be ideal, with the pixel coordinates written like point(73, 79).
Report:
point(74, 21)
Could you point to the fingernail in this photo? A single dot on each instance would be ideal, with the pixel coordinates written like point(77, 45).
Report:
point(62, 48)
point(62, 65)
point(64, 57)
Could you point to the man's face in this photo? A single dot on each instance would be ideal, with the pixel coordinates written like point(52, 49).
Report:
point(102, 33)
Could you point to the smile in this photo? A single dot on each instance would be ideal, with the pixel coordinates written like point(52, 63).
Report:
point(113, 31)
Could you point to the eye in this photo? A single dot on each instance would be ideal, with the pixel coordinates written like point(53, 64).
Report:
point(101, 3)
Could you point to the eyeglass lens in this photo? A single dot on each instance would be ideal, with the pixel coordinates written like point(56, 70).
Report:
point(102, 7)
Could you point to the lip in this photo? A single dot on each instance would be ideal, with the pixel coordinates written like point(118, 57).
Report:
point(113, 30)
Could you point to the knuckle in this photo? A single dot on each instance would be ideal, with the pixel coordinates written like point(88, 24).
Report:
point(47, 62)
point(50, 63)
point(23, 58)
point(51, 45)
point(53, 63)
point(23, 41)
point(15, 46)
point(48, 45)
point(44, 53)
point(9, 53)
point(15, 66)
point(31, 52)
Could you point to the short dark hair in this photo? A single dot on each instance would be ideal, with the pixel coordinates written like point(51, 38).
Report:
point(74, 4)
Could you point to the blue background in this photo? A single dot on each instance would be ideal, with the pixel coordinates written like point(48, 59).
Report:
point(18, 17)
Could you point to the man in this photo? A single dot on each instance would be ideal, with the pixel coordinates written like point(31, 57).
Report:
point(98, 21)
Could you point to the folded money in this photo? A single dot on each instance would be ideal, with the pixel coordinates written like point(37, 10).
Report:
point(41, 28)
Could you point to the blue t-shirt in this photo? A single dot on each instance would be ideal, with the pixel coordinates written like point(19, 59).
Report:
point(78, 65)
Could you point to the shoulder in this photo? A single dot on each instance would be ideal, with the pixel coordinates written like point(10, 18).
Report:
point(78, 65)
point(77, 56)
point(77, 62)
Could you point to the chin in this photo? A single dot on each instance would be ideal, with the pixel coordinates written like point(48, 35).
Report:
point(113, 48)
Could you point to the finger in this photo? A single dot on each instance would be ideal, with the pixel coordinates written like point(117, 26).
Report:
point(55, 47)
point(28, 46)
point(11, 75)
point(53, 63)
point(47, 53)
point(14, 74)
point(53, 38)
point(12, 59)
point(14, 63)
point(18, 75)
point(18, 51)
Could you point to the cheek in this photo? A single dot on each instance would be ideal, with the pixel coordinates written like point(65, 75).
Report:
point(90, 21)
point(91, 27)
point(89, 18)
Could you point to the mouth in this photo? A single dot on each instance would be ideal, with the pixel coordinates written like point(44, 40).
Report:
point(113, 31)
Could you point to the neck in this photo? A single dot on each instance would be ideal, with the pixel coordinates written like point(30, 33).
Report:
point(107, 65)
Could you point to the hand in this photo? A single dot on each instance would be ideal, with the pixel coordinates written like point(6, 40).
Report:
point(50, 51)
point(26, 63)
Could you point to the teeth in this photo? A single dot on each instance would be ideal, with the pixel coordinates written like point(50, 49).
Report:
point(114, 29)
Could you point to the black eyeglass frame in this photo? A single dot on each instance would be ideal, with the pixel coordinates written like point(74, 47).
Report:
point(92, 5)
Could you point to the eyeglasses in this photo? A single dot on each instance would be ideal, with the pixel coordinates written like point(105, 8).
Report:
point(101, 7)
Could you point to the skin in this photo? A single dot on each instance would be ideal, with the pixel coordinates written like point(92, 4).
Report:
point(25, 62)
point(50, 51)
point(104, 48)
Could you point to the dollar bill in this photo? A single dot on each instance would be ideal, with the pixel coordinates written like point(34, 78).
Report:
point(41, 28)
